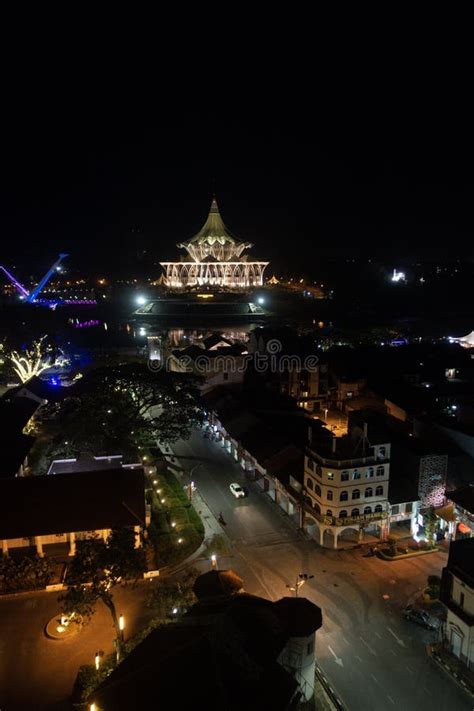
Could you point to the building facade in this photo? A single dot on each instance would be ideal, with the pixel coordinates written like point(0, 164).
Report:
point(457, 594)
point(343, 492)
point(214, 258)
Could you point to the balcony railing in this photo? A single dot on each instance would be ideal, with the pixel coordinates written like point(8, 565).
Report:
point(336, 521)
point(347, 463)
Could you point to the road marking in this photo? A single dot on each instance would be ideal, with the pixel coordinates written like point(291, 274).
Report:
point(372, 651)
point(400, 641)
point(374, 678)
point(345, 640)
point(390, 699)
point(427, 690)
point(358, 658)
point(378, 635)
point(410, 670)
point(394, 653)
point(337, 659)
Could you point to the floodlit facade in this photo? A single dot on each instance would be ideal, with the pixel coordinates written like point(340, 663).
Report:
point(215, 258)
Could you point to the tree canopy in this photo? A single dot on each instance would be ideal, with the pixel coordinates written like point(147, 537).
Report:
point(97, 568)
point(120, 409)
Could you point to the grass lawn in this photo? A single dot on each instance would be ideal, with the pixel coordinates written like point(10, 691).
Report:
point(176, 530)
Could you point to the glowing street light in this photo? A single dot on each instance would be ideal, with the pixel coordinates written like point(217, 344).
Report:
point(121, 623)
point(141, 300)
point(214, 561)
point(301, 579)
point(97, 660)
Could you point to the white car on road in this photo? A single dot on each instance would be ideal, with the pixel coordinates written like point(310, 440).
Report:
point(237, 490)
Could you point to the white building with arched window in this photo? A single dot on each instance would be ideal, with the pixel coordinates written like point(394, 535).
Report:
point(345, 486)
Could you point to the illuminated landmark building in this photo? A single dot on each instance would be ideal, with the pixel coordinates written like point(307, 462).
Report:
point(215, 258)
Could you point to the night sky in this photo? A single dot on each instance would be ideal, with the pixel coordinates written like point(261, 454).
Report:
point(107, 178)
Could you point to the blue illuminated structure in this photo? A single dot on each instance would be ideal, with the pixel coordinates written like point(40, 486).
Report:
point(32, 296)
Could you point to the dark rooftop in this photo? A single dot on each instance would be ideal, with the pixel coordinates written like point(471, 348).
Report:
point(223, 654)
point(461, 560)
point(82, 501)
point(84, 463)
point(463, 497)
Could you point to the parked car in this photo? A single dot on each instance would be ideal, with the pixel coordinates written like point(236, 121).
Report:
point(237, 490)
point(421, 617)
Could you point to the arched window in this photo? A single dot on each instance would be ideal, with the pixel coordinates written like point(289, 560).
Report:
point(309, 484)
point(378, 508)
point(355, 512)
point(317, 490)
point(319, 471)
point(369, 473)
point(310, 463)
point(356, 494)
point(369, 492)
point(343, 496)
point(356, 474)
point(382, 452)
point(345, 476)
point(343, 514)
point(368, 510)
point(329, 512)
point(317, 508)
point(379, 491)
point(330, 495)
point(380, 470)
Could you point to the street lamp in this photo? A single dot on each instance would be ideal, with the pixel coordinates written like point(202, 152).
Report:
point(191, 486)
point(214, 561)
point(97, 660)
point(301, 579)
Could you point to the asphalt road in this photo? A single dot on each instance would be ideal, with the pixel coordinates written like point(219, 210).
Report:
point(375, 658)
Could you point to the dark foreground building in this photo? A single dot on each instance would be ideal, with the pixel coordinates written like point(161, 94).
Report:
point(230, 651)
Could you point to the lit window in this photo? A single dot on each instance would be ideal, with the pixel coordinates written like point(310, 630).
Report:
point(330, 476)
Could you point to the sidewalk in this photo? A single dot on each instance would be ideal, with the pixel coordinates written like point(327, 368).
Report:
point(452, 666)
point(211, 526)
